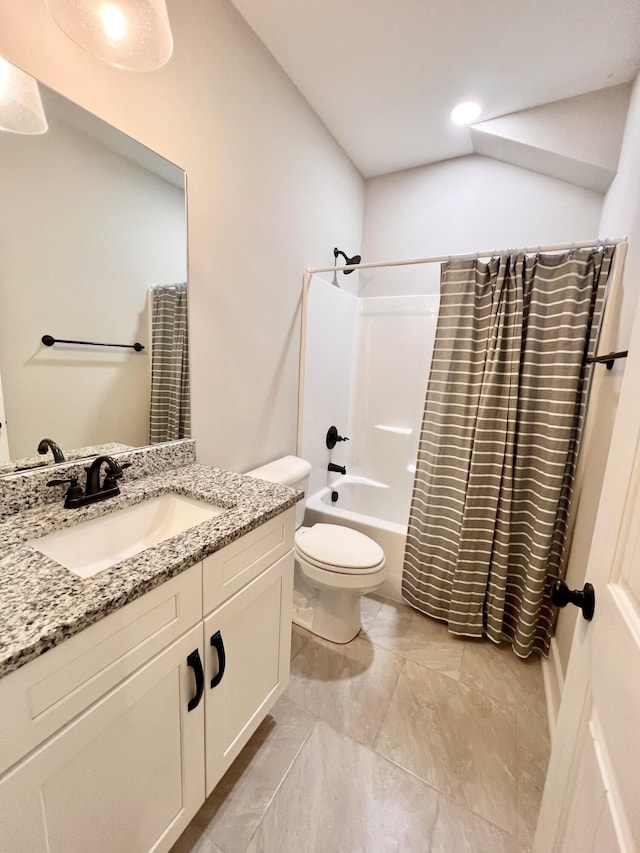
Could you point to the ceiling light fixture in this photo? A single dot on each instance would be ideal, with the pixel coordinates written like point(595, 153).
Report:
point(466, 112)
point(20, 104)
point(130, 34)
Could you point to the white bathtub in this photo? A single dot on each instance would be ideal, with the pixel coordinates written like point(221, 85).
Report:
point(367, 506)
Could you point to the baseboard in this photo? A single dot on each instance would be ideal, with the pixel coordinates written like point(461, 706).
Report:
point(553, 679)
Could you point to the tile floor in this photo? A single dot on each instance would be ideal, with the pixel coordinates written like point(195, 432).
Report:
point(407, 739)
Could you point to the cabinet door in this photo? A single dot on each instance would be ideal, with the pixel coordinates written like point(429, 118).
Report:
point(40, 698)
point(248, 647)
point(127, 775)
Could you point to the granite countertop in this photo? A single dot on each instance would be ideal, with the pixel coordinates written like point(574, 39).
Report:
point(42, 603)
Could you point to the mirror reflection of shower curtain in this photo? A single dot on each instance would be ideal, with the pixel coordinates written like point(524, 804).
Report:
point(170, 413)
point(498, 446)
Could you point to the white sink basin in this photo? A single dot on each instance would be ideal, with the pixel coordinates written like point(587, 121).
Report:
point(92, 546)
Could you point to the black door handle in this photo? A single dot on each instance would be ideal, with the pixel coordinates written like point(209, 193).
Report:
point(218, 645)
point(193, 660)
point(584, 598)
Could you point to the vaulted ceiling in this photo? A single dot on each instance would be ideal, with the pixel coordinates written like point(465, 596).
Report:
point(383, 76)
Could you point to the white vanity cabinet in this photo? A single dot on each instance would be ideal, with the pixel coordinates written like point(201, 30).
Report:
point(247, 599)
point(126, 775)
point(114, 758)
point(248, 648)
point(98, 748)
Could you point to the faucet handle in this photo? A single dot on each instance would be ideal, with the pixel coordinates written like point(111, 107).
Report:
point(333, 438)
point(74, 492)
point(111, 476)
point(73, 482)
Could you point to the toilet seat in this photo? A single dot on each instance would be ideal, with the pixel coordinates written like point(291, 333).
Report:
point(338, 549)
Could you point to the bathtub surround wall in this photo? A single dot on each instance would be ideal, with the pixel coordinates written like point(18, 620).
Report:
point(366, 368)
point(269, 191)
point(331, 341)
point(391, 368)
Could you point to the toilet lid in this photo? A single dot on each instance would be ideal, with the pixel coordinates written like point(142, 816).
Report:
point(339, 547)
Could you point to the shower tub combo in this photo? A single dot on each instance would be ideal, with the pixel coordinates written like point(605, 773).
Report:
point(365, 505)
point(368, 384)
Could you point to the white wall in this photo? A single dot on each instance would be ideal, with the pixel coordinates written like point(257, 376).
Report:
point(269, 193)
point(466, 205)
point(85, 233)
point(331, 340)
point(620, 216)
point(394, 348)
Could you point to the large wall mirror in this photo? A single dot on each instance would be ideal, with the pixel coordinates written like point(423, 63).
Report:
point(92, 224)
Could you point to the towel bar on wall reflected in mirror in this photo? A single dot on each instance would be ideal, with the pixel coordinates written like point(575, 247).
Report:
point(48, 341)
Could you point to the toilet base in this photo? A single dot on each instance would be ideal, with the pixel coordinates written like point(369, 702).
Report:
point(333, 615)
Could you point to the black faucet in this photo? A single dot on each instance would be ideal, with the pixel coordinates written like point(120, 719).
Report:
point(109, 486)
point(94, 490)
point(337, 469)
point(49, 444)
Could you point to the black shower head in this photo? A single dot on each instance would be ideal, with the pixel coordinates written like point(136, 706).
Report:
point(348, 261)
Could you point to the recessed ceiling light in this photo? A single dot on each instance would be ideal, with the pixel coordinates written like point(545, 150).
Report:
point(466, 112)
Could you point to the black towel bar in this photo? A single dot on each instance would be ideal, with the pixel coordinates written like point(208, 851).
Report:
point(608, 359)
point(48, 341)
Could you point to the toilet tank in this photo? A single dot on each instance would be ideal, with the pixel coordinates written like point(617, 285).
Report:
point(288, 471)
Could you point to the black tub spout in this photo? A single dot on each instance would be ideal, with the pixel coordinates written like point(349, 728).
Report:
point(336, 469)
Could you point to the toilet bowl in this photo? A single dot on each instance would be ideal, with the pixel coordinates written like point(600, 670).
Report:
point(334, 565)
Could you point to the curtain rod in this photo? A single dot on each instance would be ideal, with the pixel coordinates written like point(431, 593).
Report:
point(591, 244)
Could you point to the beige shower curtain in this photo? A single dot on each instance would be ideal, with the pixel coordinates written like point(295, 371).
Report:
point(499, 440)
point(170, 413)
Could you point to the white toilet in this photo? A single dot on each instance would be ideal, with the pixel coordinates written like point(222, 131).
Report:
point(335, 565)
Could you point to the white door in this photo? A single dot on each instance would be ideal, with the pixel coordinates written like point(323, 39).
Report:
point(4, 437)
point(591, 800)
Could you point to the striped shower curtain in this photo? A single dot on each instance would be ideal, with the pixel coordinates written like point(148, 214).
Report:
point(498, 446)
point(170, 413)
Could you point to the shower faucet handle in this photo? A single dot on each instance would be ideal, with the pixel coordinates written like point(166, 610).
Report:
point(333, 438)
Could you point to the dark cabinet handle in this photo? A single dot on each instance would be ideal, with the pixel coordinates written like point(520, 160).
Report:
point(584, 598)
point(218, 645)
point(193, 660)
